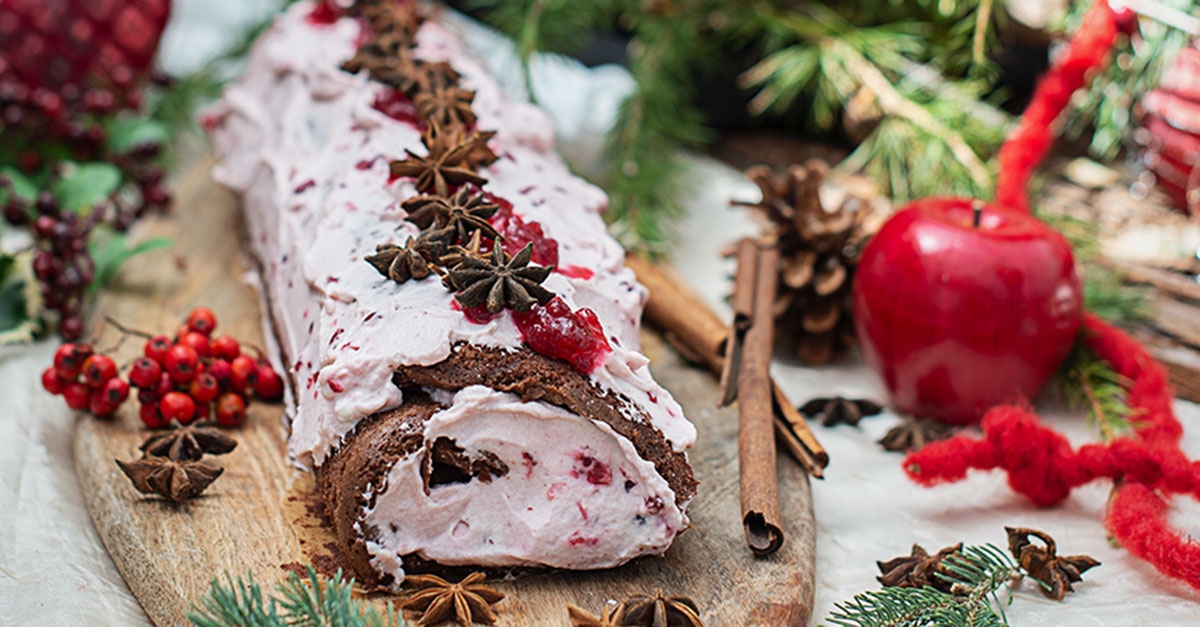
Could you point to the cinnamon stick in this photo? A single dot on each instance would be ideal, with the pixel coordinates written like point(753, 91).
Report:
point(687, 320)
point(743, 302)
point(756, 437)
point(697, 332)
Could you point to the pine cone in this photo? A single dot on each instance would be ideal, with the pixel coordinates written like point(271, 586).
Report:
point(820, 247)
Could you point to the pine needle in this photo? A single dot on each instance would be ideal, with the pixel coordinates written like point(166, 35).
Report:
point(1089, 383)
point(978, 573)
point(316, 601)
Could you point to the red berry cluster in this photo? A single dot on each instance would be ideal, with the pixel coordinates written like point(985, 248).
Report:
point(193, 376)
point(86, 380)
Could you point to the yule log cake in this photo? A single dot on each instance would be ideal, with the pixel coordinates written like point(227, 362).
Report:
point(460, 329)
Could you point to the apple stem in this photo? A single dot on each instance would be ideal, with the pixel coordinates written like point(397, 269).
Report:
point(977, 207)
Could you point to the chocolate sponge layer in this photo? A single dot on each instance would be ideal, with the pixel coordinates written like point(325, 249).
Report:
point(357, 470)
point(534, 377)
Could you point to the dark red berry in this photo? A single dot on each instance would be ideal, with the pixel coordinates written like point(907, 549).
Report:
point(70, 328)
point(151, 417)
point(147, 396)
point(177, 406)
point(181, 363)
point(221, 371)
point(203, 410)
point(68, 361)
point(98, 369)
point(116, 390)
point(51, 382)
point(245, 373)
point(145, 373)
point(77, 395)
point(226, 347)
point(198, 341)
point(202, 320)
point(157, 347)
point(100, 406)
point(165, 384)
point(231, 410)
point(204, 388)
point(269, 385)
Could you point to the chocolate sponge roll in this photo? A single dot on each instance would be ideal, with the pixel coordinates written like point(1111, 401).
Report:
point(441, 438)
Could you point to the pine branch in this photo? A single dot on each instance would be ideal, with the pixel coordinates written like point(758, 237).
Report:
point(1090, 383)
point(312, 602)
point(935, 130)
point(978, 573)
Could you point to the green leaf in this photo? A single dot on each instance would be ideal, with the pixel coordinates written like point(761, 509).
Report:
point(109, 252)
point(86, 185)
point(128, 133)
point(22, 185)
point(13, 306)
point(19, 301)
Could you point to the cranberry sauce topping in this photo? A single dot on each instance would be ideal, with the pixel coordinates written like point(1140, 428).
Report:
point(517, 233)
point(557, 332)
point(477, 314)
point(324, 13)
point(394, 104)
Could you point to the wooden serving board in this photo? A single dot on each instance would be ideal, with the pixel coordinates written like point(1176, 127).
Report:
point(262, 517)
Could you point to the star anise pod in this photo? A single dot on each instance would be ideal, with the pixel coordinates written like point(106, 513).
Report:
point(501, 282)
point(188, 443)
point(659, 611)
point(838, 410)
point(1055, 573)
point(448, 105)
point(442, 167)
point(176, 480)
point(463, 212)
point(380, 54)
point(411, 261)
point(583, 618)
point(446, 137)
point(473, 248)
point(468, 601)
point(912, 434)
point(919, 569)
point(403, 19)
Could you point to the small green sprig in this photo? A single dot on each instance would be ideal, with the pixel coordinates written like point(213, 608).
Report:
point(1088, 382)
point(979, 574)
point(314, 601)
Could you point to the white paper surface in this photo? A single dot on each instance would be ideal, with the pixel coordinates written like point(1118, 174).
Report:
point(55, 571)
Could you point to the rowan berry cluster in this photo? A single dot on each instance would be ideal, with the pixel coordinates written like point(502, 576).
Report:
point(191, 376)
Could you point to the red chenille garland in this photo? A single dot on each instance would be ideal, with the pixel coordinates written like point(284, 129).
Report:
point(1147, 466)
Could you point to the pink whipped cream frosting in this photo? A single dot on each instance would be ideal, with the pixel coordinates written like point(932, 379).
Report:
point(298, 138)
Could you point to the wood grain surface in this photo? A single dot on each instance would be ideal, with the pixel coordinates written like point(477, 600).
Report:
point(261, 515)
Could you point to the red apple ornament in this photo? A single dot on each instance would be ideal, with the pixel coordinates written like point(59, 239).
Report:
point(960, 306)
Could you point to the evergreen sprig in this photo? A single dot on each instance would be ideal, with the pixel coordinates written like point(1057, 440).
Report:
point(315, 601)
point(979, 574)
point(936, 128)
point(926, 64)
point(1088, 382)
